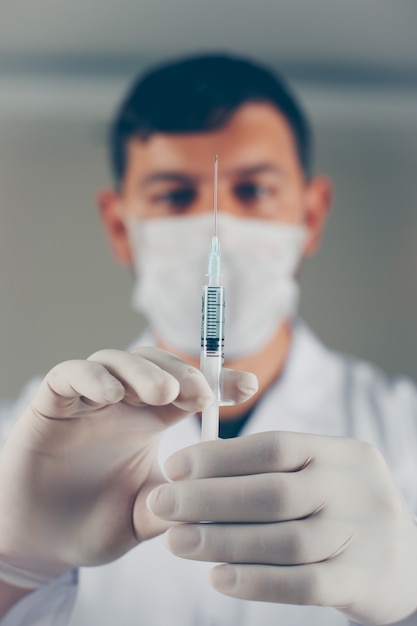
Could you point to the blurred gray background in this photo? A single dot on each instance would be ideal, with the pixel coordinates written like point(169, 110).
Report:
point(64, 67)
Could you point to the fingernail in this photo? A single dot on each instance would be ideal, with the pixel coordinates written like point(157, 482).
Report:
point(249, 385)
point(203, 401)
point(178, 467)
point(183, 540)
point(195, 387)
point(161, 501)
point(114, 392)
point(223, 578)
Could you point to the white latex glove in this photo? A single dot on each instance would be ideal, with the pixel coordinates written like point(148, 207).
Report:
point(297, 519)
point(79, 464)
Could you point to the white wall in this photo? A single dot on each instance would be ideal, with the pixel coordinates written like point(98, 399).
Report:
point(61, 294)
point(63, 297)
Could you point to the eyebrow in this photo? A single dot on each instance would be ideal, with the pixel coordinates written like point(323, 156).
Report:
point(167, 177)
point(260, 168)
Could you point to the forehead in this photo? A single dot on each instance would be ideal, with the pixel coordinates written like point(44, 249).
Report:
point(257, 132)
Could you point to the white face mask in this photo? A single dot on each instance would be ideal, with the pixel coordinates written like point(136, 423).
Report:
point(258, 262)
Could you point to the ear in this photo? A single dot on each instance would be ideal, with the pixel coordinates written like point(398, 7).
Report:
point(111, 214)
point(319, 196)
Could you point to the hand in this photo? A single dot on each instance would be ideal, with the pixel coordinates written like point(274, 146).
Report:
point(297, 519)
point(80, 462)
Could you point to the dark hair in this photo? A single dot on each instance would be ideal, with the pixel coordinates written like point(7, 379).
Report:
point(198, 94)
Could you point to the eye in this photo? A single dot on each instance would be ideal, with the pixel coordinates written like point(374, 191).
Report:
point(247, 192)
point(178, 198)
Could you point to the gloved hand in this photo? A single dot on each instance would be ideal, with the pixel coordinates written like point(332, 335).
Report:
point(79, 464)
point(297, 519)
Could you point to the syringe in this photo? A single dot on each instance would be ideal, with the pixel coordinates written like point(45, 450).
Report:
point(212, 329)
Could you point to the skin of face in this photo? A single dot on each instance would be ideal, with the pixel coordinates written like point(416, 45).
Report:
point(259, 176)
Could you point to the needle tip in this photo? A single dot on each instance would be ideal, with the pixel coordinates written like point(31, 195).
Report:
point(216, 158)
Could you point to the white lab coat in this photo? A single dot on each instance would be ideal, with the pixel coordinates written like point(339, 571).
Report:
point(319, 392)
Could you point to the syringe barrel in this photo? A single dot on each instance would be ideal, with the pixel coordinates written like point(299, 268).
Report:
point(212, 336)
point(212, 320)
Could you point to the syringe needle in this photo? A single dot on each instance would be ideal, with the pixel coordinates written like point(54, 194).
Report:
point(216, 168)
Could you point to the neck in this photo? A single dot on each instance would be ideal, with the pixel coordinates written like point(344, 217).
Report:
point(267, 364)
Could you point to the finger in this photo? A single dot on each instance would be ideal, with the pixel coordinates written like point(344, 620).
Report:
point(238, 386)
point(145, 381)
point(311, 584)
point(194, 392)
point(258, 498)
point(254, 454)
point(67, 382)
point(310, 540)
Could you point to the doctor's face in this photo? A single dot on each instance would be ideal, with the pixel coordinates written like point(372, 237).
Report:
point(259, 176)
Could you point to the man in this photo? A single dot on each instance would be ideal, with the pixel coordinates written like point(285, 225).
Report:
point(312, 511)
